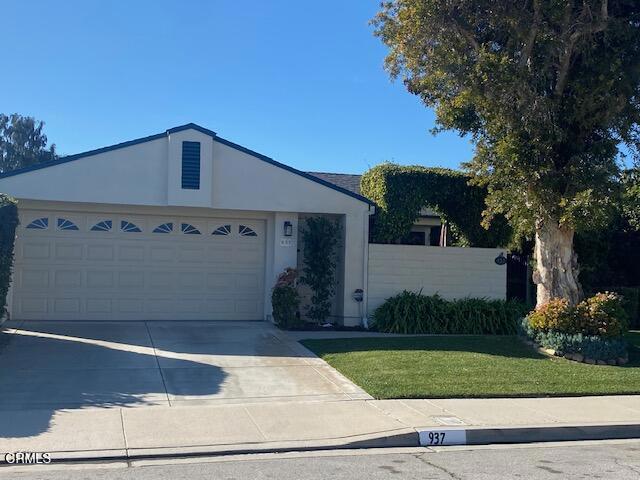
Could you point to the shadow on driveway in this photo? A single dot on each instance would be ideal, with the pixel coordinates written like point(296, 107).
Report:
point(44, 369)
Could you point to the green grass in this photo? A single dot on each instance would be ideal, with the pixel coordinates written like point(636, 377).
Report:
point(470, 366)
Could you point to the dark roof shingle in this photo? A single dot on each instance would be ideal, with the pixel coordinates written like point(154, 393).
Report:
point(347, 181)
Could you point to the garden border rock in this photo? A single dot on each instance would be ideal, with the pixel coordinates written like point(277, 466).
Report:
point(575, 357)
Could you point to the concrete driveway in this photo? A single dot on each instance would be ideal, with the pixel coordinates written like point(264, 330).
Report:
point(72, 365)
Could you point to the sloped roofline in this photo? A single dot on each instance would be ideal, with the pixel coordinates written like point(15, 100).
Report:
point(188, 126)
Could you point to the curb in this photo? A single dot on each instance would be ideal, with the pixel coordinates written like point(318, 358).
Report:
point(401, 438)
point(526, 434)
point(406, 438)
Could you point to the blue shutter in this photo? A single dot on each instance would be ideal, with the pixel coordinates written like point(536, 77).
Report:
point(191, 165)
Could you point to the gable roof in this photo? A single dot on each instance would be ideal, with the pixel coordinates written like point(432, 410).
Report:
point(348, 181)
point(190, 126)
point(351, 182)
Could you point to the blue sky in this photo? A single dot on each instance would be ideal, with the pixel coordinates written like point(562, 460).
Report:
point(301, 82)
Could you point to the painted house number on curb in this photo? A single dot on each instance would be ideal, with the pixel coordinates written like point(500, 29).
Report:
point(432, 438)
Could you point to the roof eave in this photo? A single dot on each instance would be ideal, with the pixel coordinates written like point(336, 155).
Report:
point(188, 126)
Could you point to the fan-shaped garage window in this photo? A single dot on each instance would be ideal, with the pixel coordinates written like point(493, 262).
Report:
point(245, 231)
point(64, 224)
point(39, 224)
point(164, 228)
point(189, 229)
point(129, 227)
point(222, 230)
point(104, 226)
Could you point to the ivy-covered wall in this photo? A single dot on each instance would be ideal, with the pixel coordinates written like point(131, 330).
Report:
point(8, 224)
point(401, 192)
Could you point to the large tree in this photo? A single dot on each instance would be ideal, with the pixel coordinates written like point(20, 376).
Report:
point(547, 89)
point(631, 196)
point(22, 142)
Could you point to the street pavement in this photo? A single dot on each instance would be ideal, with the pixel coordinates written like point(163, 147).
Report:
point(617, 460)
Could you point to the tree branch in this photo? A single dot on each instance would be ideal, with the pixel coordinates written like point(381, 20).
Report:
point(463, 30)
point(525, 59)
point(468, 36)
point(587, 29)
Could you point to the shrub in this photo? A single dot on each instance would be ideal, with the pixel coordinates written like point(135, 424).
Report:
point(604, 315)
point(8, 224)
point(321, 238)
point(285, 300)
point(593, 328)
point(591, 346)
point(410, 312)
point(630, 302)
point(600, 315)
point(555, 315)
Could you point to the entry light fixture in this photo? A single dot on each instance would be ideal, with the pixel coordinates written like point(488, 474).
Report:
point(288, 229)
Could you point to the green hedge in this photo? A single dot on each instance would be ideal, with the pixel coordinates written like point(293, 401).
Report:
point(401, 192)
point(8, 224)
point(410, 312)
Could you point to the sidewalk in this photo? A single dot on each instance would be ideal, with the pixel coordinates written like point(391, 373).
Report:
point(262, 427)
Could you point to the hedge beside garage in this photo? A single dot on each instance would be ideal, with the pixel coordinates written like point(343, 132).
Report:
point(8, 224)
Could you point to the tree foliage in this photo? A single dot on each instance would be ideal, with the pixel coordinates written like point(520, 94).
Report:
point(401, 193)
point(320, 238)
point(631, 196)
point(546, 89)
point(8, 224)
point(23, 143)
point(609, 256)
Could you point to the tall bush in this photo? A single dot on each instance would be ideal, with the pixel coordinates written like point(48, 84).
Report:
point(8, 224)
point(321, 238)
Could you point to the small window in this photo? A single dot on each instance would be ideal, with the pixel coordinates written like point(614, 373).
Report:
point(129, 227)
point(64, 224)
point(189, 229)
point(104, 226)
point(39, 224)
point(191, 165)
point(222, 230)
point(164, 228)
point(245, 231)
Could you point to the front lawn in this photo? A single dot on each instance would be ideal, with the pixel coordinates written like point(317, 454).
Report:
point(469, 366)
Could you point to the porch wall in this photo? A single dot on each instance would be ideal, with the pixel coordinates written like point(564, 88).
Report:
point(450, 272)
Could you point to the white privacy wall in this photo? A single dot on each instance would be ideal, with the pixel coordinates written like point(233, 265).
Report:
point(450, 272)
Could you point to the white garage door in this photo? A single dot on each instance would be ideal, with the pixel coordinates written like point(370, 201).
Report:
point(77, 266)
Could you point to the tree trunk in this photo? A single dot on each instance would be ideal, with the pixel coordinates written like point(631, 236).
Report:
point(556, 273)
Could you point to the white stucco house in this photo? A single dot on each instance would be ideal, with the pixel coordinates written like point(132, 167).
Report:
point(182, 225)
